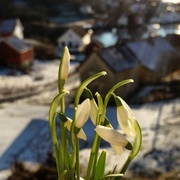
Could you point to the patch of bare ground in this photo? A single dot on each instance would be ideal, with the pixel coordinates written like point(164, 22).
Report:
point(47, 171)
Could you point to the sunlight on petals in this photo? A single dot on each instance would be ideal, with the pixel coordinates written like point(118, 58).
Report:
point(83, 112)
point(65, 64)
point(81, 134)
point(117, 149)
point(94, 111)
point(125, 118)
point(112, 136)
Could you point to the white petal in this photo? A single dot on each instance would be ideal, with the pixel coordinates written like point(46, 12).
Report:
point(126, 118)
point(126, 106)
point(65, 63)
point(94, 111)
point(68, 123)
point(82, 114)
point(117, 149)
point(81, 134)
point(112, 136)
point(122, 116)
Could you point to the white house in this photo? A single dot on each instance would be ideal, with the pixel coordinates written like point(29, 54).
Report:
point(11, 27)
point(76, 38)
point(86, 9)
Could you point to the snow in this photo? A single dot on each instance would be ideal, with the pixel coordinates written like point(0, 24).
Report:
point(41, 82)
point(45, 71)
point(24, 133)
point(24, 129)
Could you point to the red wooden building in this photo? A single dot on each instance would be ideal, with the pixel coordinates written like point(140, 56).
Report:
point(15, 53)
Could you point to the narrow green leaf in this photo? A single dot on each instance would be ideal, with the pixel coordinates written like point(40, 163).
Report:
point(112, 175)
point(100, 168)
point(52, 115)
point(63, 174)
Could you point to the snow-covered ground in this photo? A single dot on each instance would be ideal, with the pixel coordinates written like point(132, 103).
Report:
point(41, 82)
point(24, 130)
point(24, 135)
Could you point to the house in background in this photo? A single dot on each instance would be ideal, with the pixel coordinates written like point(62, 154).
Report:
point(94, 45)
point(15, 53)
point(156, 55)
point(86, 9)
point(119, 63)
point(76, 38)
point(11, 27)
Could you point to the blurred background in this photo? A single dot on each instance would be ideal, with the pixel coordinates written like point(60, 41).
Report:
point(138, 39)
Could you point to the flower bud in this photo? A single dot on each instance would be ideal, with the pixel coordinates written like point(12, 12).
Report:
point(65, 63)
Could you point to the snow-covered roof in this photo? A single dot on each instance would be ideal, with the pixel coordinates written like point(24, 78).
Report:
point(172, 17)
point(79, 30)
point(118, 58)
point(16, 44)
point(7, 26)
point(149, 51)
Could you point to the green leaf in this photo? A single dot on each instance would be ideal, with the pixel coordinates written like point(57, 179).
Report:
point(117, 86)
point(100, 168)
point(112, 175)
point(52, 116)
point(62, 175)
point(84, 84)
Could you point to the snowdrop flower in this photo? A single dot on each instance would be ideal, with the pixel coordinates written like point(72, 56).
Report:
point(82, 113)
point(65, 63)
point(115, 138)
point(63, 69)
point(81, 134)
point(125, 117)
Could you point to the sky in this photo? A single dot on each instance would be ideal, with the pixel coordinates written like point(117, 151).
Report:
point(172, 1)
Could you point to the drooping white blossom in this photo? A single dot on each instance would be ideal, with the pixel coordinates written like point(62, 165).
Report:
point(82, 113)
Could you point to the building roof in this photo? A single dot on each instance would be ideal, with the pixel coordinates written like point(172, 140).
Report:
point(7, 26)
point(17, 44)
point(149, 52)
point(118, 58)
point(79, 30)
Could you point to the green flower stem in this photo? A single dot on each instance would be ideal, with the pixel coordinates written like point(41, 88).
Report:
point(136, 147)
point(84, 84)
point(108, 95)
point(96, 156)
point(124, 168)
point(56, 150)
point(122, 83)
point(63, 138)
point(93, 157)
point(64, 147)
point(77, 159)
point(73, 141)
point(52, 123)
